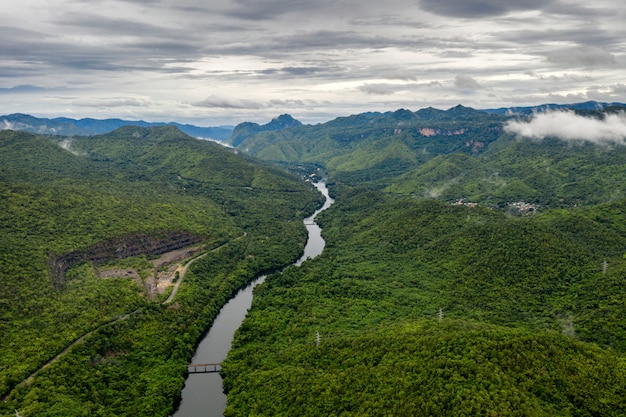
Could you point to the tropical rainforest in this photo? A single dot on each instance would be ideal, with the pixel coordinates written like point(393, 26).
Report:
point(100, 202)
point(467, 271)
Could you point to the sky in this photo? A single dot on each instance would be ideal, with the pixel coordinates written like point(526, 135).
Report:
point(222, 62)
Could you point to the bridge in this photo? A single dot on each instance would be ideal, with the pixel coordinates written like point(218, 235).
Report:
point(204, 368)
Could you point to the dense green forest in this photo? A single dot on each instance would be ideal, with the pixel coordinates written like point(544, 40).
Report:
point(451, 155)
point(457, 280)
point(61, 195)
point(466, 271)
point(423, 308)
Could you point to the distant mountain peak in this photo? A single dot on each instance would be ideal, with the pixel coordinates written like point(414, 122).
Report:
point(281, 122)
point(247, 129)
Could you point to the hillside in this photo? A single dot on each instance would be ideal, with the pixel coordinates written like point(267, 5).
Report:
point(467, 271)
point(459, 154)
point(422, 308)
point(374, 146)
point(72, 208)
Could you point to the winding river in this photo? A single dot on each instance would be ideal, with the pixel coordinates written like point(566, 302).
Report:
point(203, 395)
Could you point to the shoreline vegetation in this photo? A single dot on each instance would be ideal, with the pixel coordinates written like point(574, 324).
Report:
point(130, 182)
point(181, 259)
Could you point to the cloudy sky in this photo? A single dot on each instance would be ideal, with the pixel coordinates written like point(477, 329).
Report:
point(225, 61)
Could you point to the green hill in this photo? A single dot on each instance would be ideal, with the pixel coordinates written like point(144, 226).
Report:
point(71, 206)
point(550, 173)
point(422, 308)
point(373, 147)
point(466, 272)
point(456, 154)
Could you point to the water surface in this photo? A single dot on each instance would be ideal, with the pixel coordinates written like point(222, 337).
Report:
point(203, 395)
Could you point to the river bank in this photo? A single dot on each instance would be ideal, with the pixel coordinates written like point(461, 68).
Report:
point(203, 394)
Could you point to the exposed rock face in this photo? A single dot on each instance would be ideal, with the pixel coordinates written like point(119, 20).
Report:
point(118, 248)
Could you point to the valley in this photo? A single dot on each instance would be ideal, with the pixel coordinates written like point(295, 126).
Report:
point(467, 269)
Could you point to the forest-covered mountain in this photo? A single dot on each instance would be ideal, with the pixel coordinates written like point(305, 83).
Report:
point(84, 222)
point(456, 154)
point(468, 271)
point(64, 126)
point(247, 129)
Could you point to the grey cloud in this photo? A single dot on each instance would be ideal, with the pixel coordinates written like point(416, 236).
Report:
point(233, 103)
point(228, 103)
point(281, 103)
point(390, 20)
point(20, 89)
point(584, 34)
point(36, 53)
point(472, 9)
point(300, 71)
point(619, 89)
point(142, 2)
point(269, 9)
point(585, 56)
point(98, 24)
point(466, 83)
point(562, 77)
point(180, 48)
point(378, 89)
point(110, 102)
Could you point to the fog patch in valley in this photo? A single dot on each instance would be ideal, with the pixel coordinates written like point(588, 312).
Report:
point(568, 126)
point(67, 145)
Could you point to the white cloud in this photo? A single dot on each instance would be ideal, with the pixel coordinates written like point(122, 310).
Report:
point(569, 126)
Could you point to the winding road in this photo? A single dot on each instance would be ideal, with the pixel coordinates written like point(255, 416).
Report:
point(192, 260)
point(116, 319)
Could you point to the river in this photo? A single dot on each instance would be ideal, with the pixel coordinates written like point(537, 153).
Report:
point(203, 395)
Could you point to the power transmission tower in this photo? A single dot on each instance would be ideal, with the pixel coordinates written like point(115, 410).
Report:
point(440, 315)
point(318, 338)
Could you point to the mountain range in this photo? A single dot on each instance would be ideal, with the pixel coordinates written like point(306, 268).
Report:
point(234, 135)
point(63, 126)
